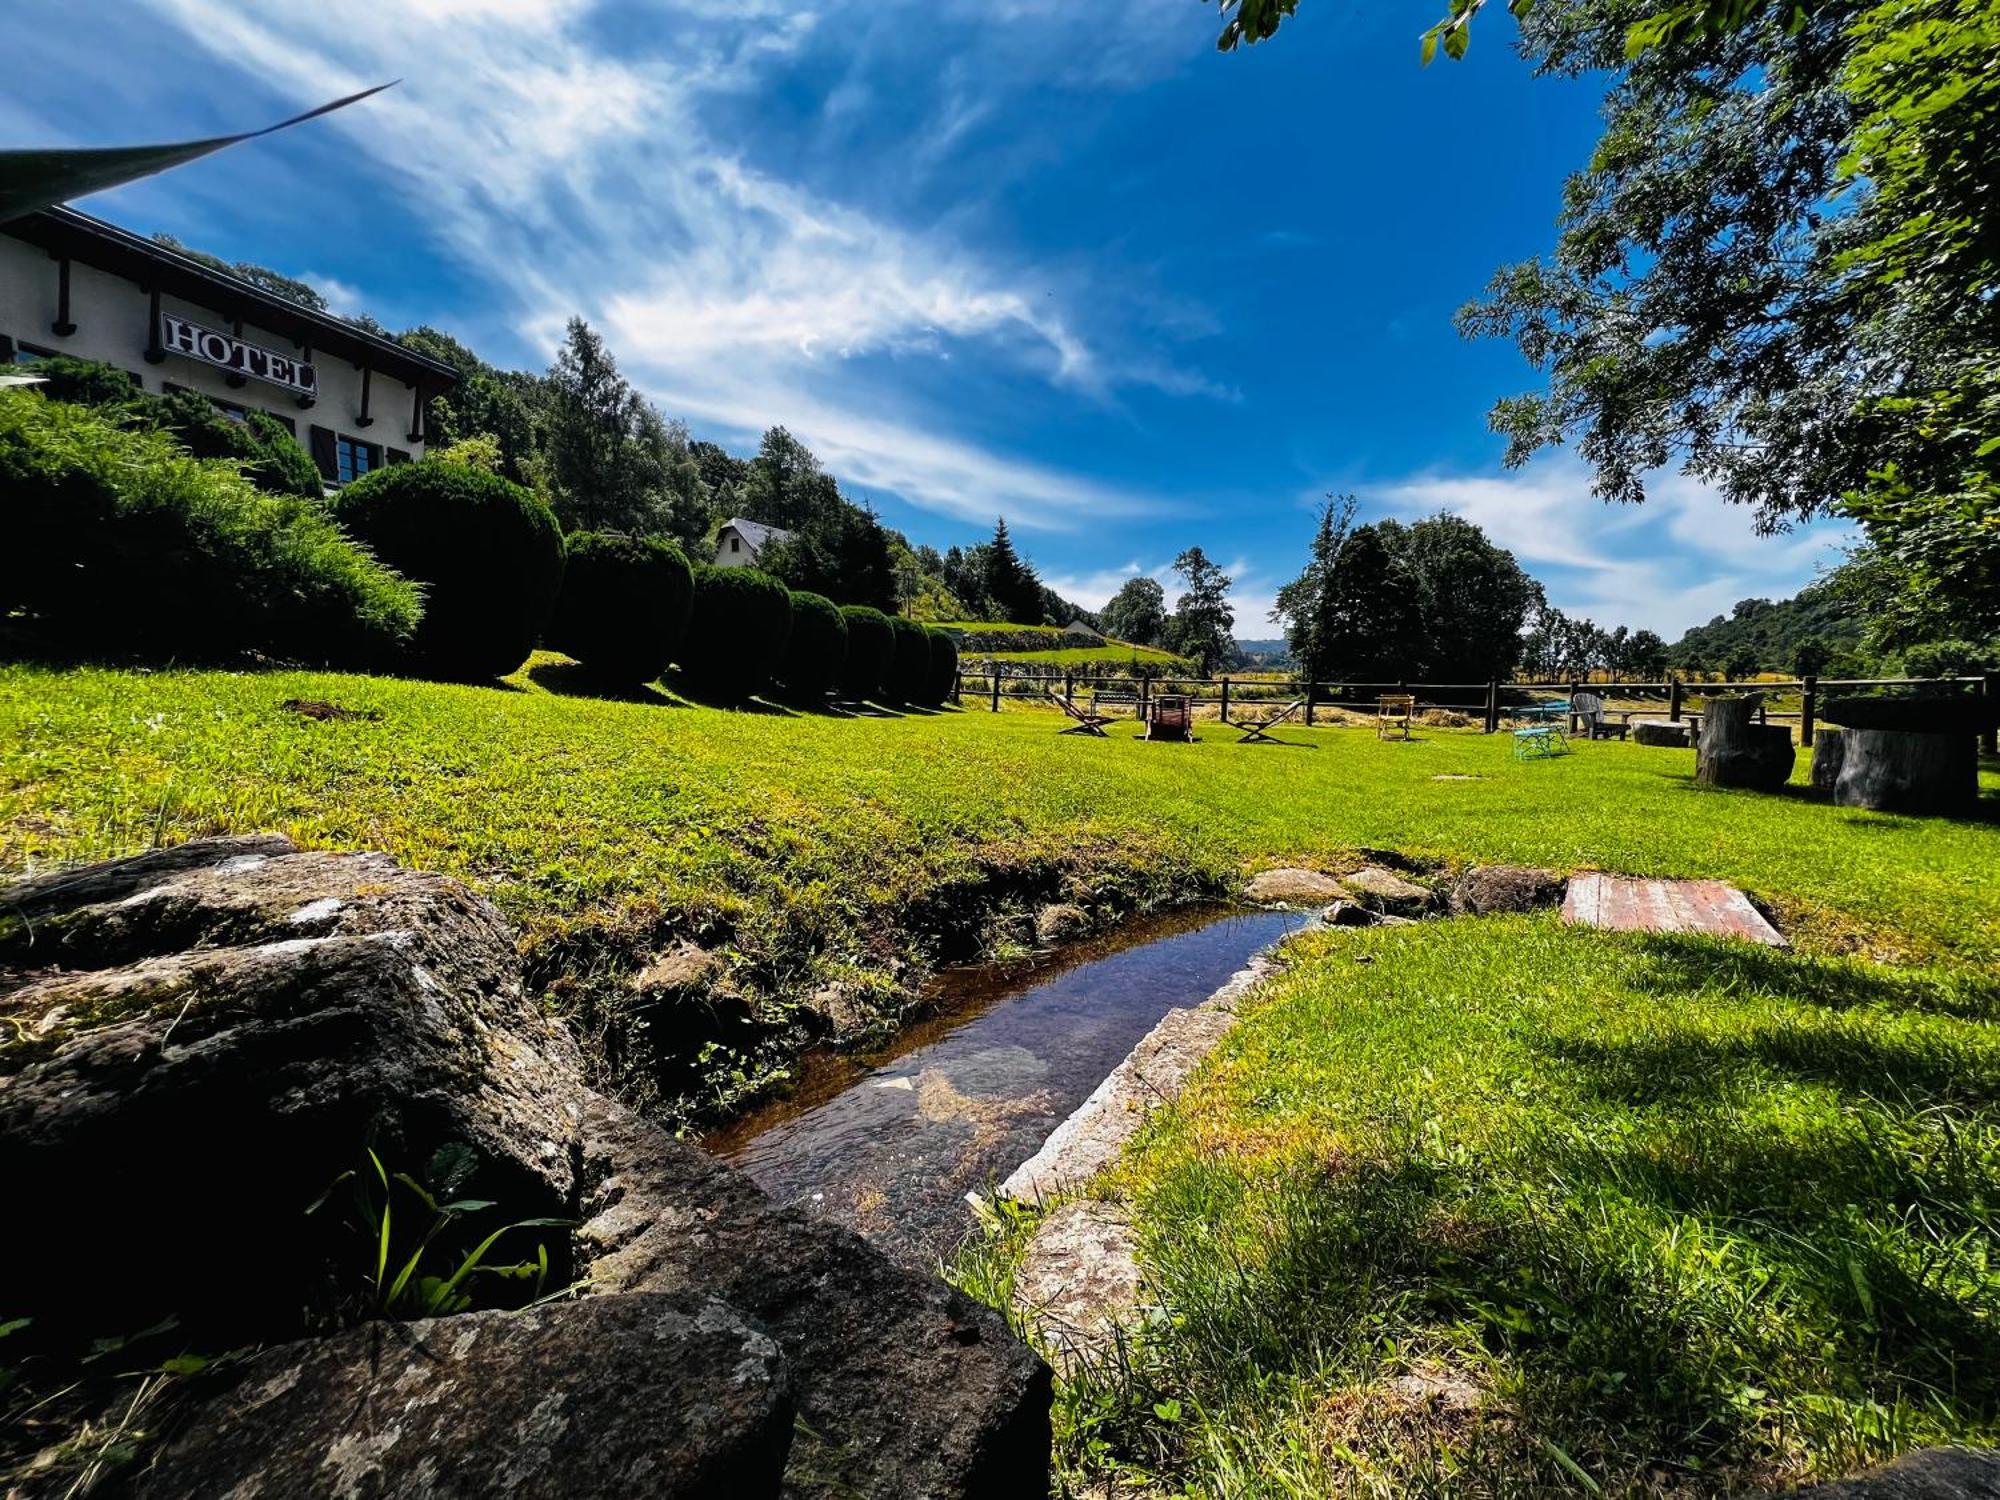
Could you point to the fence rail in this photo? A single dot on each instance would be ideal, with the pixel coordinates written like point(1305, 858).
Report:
point(1496, 701)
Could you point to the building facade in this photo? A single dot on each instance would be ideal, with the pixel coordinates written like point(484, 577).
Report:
point(71, 284)
point(739, 543)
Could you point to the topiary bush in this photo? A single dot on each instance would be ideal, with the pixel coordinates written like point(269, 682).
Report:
point(487, 552)
point(910, 668)
point(624, 605)
point(871, 650)
point(944, 665)
point(817, 650)
point(118, 542)
point(737, 632)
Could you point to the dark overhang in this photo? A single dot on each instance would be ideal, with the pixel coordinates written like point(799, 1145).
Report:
point(65, 233)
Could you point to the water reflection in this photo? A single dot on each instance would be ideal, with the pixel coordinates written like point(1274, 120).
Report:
point(890, 1145)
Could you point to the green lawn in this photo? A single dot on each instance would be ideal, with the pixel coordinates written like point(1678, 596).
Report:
point(1668, 1212)
point(1488, 1205)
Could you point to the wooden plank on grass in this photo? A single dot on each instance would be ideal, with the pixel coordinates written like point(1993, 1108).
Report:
point(1625, 904)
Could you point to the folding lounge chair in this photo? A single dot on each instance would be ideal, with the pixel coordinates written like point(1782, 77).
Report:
point(1257, 731)
point(1088, 721)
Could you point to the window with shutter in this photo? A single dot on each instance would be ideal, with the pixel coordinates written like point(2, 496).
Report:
point(398, 456)
point(324, 458)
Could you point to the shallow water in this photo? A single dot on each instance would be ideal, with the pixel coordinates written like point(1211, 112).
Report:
point(890, 1144)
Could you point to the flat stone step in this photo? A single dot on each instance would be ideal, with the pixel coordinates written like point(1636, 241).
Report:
point(1626, 903)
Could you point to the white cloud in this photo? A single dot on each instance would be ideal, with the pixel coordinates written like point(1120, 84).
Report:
point(580, 177)
point(1681, 558)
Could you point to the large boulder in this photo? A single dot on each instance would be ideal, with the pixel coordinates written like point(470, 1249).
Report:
point(1671, 734)
point(1486, 889)
point(1928, 1474)
point(599, 1399)
point(904, 1386)
point(203, 1037)
point(1290, 886)
point(1386, 892)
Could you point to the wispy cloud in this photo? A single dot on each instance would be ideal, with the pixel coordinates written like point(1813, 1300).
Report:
point(578, 175)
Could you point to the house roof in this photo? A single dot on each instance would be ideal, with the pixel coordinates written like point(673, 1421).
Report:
point(1083, 627)
point(66, 232)
point(756, 533)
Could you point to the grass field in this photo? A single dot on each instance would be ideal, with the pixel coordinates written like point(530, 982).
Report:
point(1634, 1215)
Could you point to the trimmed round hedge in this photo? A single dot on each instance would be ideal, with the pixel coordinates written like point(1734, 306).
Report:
point(817, 650)
point(944, 666)
point(488, 553)
point(910, 670)
point(624, 605)
point(737, 632)
point(871, 651)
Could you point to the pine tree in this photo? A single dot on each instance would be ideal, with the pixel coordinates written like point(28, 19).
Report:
point(1010, 584)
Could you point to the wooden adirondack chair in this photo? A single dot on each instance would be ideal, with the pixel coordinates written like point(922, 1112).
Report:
point(1088, 721)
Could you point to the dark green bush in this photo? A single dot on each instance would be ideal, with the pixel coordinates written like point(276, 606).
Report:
point(624, 605)
point(270, 456)
point(871, 652)
point(118, 542)
point(737, 632)
point(817, 650)
point(487, 552)
point(944, 666)
point(910, 668)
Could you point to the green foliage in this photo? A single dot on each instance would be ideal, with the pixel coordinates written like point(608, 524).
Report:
point(121, 543)
point(86, 382)
point(943, 675)
point(871, 653)
point(1769, 636)
point(737, 632)
point(487, 552)
point(614, 463)
point(816, 652)
point(1137, 612)
point(624, 605)
point(416, 1253)
point(1007, 583)
point(1202, 620)
point(910, 666)
point(843, 552)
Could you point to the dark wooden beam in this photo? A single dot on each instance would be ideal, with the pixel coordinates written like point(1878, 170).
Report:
point(367, 389)
point(416, 432)
point(306, 399)
point(62, 327)
point(154, 353)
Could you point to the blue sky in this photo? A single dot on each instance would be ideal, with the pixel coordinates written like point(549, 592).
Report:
point(1056, 259)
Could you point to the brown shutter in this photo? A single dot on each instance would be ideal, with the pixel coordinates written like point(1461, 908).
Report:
point(323, 455)
point(6, 350)
point(398, 456)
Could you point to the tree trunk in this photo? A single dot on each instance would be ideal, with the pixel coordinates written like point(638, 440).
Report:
point(1735, 750)
point(1893, 771)
point(1829, 747)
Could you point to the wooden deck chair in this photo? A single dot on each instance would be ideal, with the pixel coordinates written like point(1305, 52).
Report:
point(1394, 715)
point(1593, 720)
point(1088, 721)
point(1257, 731)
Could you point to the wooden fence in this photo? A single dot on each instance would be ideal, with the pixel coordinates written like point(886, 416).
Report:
point(1492, 703)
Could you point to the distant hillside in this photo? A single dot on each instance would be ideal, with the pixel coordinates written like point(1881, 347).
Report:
point(1268, 653)
point(1767, 636)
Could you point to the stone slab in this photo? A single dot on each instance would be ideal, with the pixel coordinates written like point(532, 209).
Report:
point(1626, 903)
point(1079, 1280)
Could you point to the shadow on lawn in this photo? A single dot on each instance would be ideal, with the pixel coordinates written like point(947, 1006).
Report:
point(568, 679)
point(1671, 965)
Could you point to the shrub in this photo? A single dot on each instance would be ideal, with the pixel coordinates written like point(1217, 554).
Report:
point(817, 650)
point(736, 635)
point(910, 669)
point(624, 605)
point(487, 552)
point(871, 651)
point(84, 382)
point(118, 541)
point(944, 665)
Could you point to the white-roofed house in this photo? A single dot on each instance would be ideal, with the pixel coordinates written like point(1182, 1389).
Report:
point(740, 543)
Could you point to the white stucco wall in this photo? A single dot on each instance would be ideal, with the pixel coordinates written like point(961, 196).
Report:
point(738, 557)
point(111, 315)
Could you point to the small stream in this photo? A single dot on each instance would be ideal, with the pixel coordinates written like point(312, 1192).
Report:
point(890, 1143)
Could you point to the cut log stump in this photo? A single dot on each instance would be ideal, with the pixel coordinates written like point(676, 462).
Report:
point(1735, 750)
point(1891, 770)
point(1828, 749)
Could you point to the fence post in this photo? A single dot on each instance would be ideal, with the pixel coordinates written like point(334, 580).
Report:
point(1312, 692)
point(1069, 685)
point(1674, 699)
point(1493, 706)
point(1575, 687)
point(1145, 692)
point(1808, 702)
point(993, 673)
point(1225, 700)
point(1989, 689)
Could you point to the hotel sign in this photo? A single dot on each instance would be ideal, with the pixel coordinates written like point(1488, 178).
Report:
point(226, 352)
